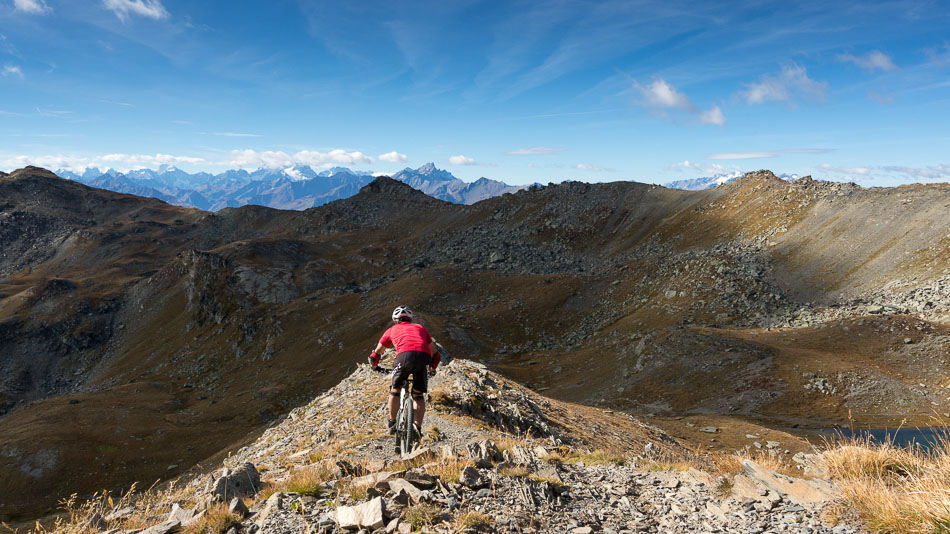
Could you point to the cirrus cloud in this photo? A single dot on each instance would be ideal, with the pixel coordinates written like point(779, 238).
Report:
point(152, 9)
point(36, 7)
point(536, 151)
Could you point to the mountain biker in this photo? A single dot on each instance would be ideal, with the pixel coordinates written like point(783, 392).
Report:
point(415, 351)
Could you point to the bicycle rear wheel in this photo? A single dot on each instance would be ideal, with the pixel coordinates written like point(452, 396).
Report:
point(405, 422)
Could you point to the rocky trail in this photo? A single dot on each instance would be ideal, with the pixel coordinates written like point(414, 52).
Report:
point(496, 457)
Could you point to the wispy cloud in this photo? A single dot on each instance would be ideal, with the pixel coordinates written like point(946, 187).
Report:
point(462, 160)
point(588, 168)
point(939, 55)
point(863, 171)
point(235, 134)
point(933, 173)
point(659, 96)
point(50, 112)
point(872, 61)
point(114, 103)
point(36, 7)
point(12, 70)
point(152, 9)
point(759, 154)
point(790, 85)
point(536, 151)
point(274, 159)
point(393, 157)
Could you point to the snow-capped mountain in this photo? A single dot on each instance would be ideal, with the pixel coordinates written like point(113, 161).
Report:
point(297, 187)
point(442, 184)
point(708, 182)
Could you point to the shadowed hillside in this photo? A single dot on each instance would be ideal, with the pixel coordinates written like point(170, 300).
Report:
point(129, 327)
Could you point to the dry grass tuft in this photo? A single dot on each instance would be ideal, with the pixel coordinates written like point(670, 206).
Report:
point(514, 471)
point(306, 481)
point(87, 516)
point(450, 471)
point(217, 520)
point(895, 489)
point(422, 515)
point(472, 520)
point(595, 457)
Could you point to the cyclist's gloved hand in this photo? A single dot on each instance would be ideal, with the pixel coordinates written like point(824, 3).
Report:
point(374, 359)
point(435, 360)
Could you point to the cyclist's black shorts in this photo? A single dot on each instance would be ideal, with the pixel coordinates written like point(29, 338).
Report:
point(415, 363)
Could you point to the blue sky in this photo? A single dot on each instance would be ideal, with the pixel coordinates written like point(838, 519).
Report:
point(516, 91)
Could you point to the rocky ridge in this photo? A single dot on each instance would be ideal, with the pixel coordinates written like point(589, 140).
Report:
point(496, 458)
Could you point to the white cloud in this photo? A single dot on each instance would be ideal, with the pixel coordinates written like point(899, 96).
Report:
point(872, 61)
point(590, 168)
point(787, 86)
point(37, 7)
point(152, 9)
point(660, 96)
point(394, 157)
point(462, 160)
point(233, 134)
point(536, 151)
point(758, 154)
point(844, 170)
point(276, 159)
point(120, 162)
point(705, 168)
point(12, 70)
point(712, 116)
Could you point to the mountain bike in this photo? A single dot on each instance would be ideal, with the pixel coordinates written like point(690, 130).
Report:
point(406, 435)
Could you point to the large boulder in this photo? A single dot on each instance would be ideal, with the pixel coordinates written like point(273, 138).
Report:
point(243, 481)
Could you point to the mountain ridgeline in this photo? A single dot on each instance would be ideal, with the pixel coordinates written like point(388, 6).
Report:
point(141, 337)
point(298, 187)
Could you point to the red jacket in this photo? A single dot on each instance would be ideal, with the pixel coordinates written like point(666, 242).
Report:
point(406, 337)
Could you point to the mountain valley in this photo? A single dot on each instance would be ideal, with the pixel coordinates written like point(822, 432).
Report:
point(129, 327)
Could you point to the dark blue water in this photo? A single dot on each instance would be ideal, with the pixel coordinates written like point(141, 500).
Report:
point(925, 437)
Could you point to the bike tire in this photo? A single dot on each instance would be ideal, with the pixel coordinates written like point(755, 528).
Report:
point(406, 422)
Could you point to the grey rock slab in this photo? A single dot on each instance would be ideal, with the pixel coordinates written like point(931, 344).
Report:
point(366, 515)
point(183, 515)
point(168, 527)
point(238, 507)
point(398, 485)
point(272, 505)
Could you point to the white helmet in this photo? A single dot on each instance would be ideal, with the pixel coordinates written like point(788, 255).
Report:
point(401, 311)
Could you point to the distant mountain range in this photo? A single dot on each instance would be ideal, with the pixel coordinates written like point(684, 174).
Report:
point(299, 187)
point(708, 182)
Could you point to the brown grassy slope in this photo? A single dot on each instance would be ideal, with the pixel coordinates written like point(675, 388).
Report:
point(240, 315)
